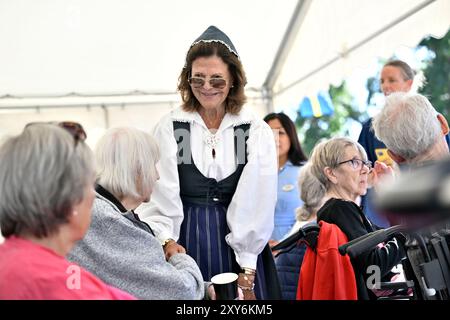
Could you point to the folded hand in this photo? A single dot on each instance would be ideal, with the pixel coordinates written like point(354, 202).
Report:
point(172, 248)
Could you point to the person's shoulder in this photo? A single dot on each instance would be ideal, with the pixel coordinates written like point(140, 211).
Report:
point(340, 203)
point(367, 125)
point(293, 168)
point(343, 213)
point(332, 207)
point(257, 124)
point(104, 211)
point(299, 166)
point(102, 204)
point(177, 114)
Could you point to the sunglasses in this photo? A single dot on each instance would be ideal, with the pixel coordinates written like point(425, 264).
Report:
point(74, 128)
point(216, 83)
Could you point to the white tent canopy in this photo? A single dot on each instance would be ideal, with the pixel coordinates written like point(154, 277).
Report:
point(336, 37)
point(109, 62)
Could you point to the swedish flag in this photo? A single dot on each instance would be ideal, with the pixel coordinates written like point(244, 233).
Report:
point(316, 106)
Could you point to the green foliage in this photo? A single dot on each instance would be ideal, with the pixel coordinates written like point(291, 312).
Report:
point(312, 130)
point(437, 74)
point(437, 89)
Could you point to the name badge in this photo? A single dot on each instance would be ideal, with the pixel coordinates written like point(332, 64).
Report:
point(288, 187)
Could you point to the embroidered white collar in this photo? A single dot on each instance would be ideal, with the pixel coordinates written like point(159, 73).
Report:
point(229, 120)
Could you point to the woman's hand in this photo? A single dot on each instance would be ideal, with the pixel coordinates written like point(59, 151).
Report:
point(171, 248)
point(246, 283)
point(380, 172)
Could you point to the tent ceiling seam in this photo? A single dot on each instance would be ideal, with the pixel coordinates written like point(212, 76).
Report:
point(357, 45)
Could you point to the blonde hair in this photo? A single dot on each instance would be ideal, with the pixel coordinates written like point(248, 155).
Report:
point(329, 153)
point(312, 193)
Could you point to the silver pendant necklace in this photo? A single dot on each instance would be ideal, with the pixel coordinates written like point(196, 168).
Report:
point(211, 140)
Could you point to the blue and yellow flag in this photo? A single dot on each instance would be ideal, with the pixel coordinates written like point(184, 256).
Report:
point(316, 106)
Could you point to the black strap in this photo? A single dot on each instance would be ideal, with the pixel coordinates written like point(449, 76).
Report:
point(130, 215)
point(108, 195)
point(133, 217)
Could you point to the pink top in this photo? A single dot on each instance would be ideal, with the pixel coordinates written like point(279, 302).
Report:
point(32, 272)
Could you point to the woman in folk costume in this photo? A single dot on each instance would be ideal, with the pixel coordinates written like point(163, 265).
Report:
point(218, 172)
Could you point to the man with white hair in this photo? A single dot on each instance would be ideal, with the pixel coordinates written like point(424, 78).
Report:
point(411, 128)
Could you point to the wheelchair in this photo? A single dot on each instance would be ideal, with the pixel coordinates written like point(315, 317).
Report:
point(422, 211)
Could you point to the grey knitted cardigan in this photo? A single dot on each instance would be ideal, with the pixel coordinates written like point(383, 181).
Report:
point(127, 257)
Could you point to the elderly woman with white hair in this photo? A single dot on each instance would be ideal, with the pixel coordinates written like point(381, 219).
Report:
point(119, 247)
point(411, 128)
point(46, 195)
point(341, 166)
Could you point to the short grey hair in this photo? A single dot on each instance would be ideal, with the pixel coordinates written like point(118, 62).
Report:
point(43, 175)
point(311, 193)
point(126, 159)
point(407, 124)
point(328, 154)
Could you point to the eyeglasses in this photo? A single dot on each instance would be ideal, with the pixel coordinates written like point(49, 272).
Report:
point(357, 164)
point(216, 83)
point(74, 128)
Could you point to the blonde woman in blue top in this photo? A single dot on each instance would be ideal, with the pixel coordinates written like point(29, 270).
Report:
point(290, 159)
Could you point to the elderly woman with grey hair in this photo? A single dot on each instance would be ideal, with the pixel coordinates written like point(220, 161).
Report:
point(46, 195)
point(341, 166)
point(288, 263)
point(411, 128)
point(119, 247)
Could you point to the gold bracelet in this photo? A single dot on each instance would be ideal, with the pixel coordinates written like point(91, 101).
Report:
point(246, 282)
point(247, 288)
point(166, 242)
point(249, 271)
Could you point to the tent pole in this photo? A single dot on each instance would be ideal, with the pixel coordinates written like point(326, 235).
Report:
point(105, 116)
point(267, 97)
point(285, 46)
point(361, 43)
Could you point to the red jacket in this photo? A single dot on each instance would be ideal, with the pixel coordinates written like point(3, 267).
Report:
point(326, 275)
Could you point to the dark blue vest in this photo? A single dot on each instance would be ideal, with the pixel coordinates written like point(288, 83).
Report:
point(195, 188)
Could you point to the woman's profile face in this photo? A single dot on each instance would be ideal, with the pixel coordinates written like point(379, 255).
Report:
point(392, 80)
point(146, 190)
point(281, 137)
point(351, 177)
point(208, 68)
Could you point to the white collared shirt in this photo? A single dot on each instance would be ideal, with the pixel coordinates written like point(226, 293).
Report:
point(251, 211)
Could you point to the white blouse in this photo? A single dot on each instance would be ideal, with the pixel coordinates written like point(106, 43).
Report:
point(250, 215)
